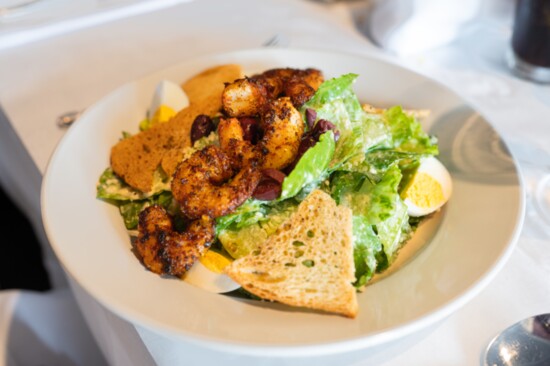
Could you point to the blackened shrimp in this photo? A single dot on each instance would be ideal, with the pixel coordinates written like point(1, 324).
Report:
point(233, 142)
point(297, 84)
point(251, 96)
point(166, 251)
point(244, 97)
point(210, 183)
point(283, 129)
point(275, 79)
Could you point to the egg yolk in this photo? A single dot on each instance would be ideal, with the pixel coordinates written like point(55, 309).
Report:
point(424, 191)
point(214, 261)
point(162, 114)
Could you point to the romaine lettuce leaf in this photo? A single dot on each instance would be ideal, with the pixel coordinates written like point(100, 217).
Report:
point(380, 219)
point(388, 136)
point(311, 168)
point(336, 102)
point(130, 201)
point(407, 133)
point(382, 207)
point(246, 229)
point(110, 187)
point(376, 163)
point(366, 245)
point(247, 214)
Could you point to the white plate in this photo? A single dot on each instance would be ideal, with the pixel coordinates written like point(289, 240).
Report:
point(466, 243)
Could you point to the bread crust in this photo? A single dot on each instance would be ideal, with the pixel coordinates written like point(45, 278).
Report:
point(308, 262)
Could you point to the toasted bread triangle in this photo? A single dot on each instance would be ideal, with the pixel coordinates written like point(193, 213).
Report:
point(308, 262)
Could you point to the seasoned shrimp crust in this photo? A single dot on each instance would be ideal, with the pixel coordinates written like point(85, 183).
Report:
point(210, 183)
point(283, 129)
point(233, 143)
point(252, 96)
point(166, 251)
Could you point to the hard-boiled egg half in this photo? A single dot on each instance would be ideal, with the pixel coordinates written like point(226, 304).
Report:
point(168, 99)
point(429, 188)
point(207, 273)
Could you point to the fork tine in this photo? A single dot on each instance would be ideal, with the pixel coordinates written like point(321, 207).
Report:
point(277, 40)
point(273, 41)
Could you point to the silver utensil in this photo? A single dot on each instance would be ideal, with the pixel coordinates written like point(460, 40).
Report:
point(278, 40)
point(66, 119)
point(524, 343)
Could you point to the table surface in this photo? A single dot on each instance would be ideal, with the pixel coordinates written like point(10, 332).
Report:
point(73, 67)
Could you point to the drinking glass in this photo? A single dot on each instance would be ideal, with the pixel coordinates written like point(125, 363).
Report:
point(529, 56)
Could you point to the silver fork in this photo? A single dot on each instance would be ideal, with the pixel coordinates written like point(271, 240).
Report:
point(278, 40)
point(66, 119)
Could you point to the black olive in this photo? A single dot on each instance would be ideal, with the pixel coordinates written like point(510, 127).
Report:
point(202, 126)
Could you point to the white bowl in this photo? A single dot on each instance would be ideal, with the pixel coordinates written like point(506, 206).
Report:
point(464, 245)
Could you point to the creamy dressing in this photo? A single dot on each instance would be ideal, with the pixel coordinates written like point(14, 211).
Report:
point(112, 187)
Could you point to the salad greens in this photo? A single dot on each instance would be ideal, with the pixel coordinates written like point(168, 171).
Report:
point(311, 169)
point(365, 170)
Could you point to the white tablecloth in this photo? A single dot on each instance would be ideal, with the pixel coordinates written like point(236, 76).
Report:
point(71, 70)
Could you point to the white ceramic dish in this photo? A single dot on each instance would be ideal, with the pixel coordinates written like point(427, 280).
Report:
point(464, 245)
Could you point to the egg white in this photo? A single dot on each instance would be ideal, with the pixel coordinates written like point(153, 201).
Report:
point(435, 169)
point(208, 280)
point(169, 94)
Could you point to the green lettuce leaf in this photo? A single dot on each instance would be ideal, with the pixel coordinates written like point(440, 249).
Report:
point(376, 163)
point(110, 187)
point(407, 133)
point(409, 143)
point(369, 142)
point(382, 207)
point(380, 219)
point(242, 232)
point(336, 102)
point(366, 246)
point(247, 214)
point(130, 201)
point(129, 210)
point(311, 168)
